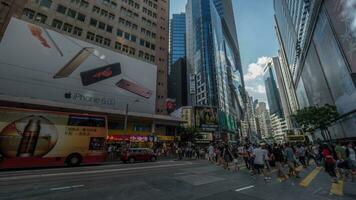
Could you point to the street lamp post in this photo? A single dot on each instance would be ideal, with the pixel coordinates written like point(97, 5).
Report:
point(127, 113)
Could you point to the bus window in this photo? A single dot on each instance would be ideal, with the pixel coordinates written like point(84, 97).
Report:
point(96, 143)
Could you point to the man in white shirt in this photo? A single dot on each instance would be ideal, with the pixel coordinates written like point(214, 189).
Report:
point(260, 155)
point(211, 152)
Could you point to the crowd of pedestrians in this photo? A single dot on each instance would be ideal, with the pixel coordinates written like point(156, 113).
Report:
point(338, 160)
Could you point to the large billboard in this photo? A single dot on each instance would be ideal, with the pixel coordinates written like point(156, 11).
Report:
point(206, 118)
point(44, 64)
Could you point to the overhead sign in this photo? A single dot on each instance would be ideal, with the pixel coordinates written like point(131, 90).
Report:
point(296, 138)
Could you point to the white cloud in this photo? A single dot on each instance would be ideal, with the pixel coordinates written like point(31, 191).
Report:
point(350, 14)
point(256, 69)
point(260, 89)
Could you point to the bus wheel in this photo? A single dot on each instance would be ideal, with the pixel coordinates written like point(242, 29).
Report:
point(74, 160)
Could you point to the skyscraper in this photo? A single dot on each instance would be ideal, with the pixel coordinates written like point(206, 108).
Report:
point(273, 95)
point(214, 66)
point(177, 83)
point(138, 29)
point(264, 121)
point(317, 39)
point(177, 38)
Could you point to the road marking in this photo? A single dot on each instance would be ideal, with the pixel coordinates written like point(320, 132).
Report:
point(307, 180)
point(181, 173)
point(90, 172)
point(337, 188)
point(244, 188)
point(66, 187)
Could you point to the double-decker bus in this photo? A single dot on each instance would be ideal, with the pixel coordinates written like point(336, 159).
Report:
point(32, 138)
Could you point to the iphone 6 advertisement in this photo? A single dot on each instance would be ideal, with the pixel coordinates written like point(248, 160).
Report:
point(38, 63)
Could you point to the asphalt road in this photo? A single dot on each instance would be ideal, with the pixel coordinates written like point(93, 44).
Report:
point(166, 180)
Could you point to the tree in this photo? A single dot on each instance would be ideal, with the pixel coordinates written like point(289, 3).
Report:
point(313, 118)
point(189, 134)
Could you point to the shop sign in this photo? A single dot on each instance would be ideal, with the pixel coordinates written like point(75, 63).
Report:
point(165, 138)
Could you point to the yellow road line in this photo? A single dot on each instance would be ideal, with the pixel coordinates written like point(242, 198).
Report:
point(307, 180)
point(337, 188)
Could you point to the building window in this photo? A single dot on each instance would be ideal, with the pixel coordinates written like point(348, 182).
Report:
point(90, 36)
point(140, 54)
point(104, 13)
point(122, 21)
point(147, 45)
point(133, 38)
point(71, 13)
point(107, 42)
point(57, 24)
point(101, 25)
point(61, 9)
point(139, 127)
point(93, 22)
point(84, 4)
point(111, 16)
point(142, 42)
point(153, 47)
point(96, 9)
point(118, 45)
point(99, 39)
point(119, 33)
point(81, 17)
point(127, 36)
point(132, 51)
point(67, 28)
point(44, 3)
point(77, 31)
point(41, 18)
point(125, 48)
point(109, 29)
point(28, 13)
point(152, 59)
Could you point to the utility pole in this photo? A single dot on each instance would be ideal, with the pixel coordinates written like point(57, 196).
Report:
point(126, 116)
point(127, 113)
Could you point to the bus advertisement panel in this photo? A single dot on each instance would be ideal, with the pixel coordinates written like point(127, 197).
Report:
point(40, 138)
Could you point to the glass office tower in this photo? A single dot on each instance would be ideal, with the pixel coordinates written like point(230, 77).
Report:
point(177, 38)
point(214, 67)
point(323, 65)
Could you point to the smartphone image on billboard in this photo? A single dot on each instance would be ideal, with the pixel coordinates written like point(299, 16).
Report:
point(134, 88)
point(74, 63)
point(98, 74)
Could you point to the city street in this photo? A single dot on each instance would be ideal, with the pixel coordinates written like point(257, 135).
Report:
point(166, 180)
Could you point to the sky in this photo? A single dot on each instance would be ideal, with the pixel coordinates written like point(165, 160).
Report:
point(257, 40)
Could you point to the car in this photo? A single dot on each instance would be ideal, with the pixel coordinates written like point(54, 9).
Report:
point(132, 155)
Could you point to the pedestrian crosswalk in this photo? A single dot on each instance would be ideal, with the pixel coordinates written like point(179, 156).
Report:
point(310, 177)
point(335, 188)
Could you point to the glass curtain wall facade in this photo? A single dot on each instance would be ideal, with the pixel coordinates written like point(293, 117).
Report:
point(213, 61)
point(325, 73)
point(177, 38)
point(272, 91)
